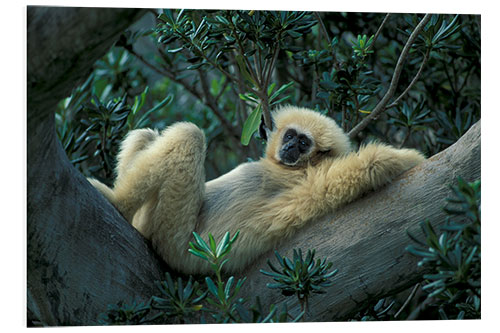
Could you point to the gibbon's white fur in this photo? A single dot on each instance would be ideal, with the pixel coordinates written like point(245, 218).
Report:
point(160, 186)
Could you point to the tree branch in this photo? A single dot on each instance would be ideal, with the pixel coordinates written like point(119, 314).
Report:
point(381, 106)
point(379, 30)
point(208, 100)
point(412, 83)
point(75, 238)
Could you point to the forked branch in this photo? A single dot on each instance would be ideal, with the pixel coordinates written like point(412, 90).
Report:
point(381, 106)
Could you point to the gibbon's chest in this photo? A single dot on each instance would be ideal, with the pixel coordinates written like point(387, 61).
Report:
point(234, 194)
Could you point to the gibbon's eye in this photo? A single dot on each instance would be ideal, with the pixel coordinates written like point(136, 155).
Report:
point(289, 135)
point(304, 141)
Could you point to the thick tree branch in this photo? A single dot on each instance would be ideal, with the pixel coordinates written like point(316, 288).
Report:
point(81, 254)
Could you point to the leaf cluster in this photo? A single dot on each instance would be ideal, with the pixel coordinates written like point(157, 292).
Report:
point(454, 255)
point(214, 296)
point(97, 127)
point(300, 276)
point(414, 118)
point(437, 34)
point(348, 86)
point(128, 314)
point(179, 301)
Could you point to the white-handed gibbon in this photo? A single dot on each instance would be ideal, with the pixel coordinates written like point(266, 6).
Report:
point(308, 171)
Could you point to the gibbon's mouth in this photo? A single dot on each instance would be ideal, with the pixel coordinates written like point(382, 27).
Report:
point(289, 158)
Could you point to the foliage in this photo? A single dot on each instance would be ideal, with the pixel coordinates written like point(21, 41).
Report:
point(188, 302)
point(226, 69)
point(128, 314)
point(178, 301)
point(454, 256)
point(222, 294)
point(300, 276)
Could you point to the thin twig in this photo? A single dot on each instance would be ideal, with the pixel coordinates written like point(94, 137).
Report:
point(324, 31)
point(190, 88)
point(322, 27)
point(379, 30)
point(210, 102)
point(380, 107)
point(250, 70)
point(222, 90)
point(412, 293)
point(263, 89)
point(422, 306)
point(412, 83)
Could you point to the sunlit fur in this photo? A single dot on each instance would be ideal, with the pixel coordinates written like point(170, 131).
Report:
point(160, 187)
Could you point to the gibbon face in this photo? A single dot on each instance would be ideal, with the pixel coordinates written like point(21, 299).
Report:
point(302, 136)
point(295, 148)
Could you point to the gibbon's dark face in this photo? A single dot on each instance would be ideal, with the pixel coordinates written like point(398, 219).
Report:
point(294, 146)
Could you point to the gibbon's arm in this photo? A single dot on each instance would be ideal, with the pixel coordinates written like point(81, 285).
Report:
point(335, 182)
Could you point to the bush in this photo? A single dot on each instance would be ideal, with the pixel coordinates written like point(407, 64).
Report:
point(190, 302)
point(224, 70)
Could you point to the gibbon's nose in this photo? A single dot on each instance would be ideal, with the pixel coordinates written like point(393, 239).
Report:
point(291, 145)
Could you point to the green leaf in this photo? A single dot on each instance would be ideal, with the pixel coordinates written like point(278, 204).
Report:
point(198, 254)
point(211, 286)
point(270, 89)
point(175, 50)
point(248, 97)
point(201, 243)
point(155, 108)
point(227, 289)
point(222, 245)
point(213, 246)
point(243, 69)
point(251, 125)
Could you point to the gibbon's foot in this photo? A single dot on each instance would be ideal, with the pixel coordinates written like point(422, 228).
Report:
point(104, 189)
point(186, 138)
point(135, 141)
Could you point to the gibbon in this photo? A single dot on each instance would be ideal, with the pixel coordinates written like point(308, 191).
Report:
point(308, 171)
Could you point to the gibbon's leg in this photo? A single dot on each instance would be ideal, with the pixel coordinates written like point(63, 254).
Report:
point(134, 142)
point(168, 172)
point(337, 182)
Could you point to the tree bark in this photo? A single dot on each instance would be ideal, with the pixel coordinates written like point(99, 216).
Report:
point(82, 255)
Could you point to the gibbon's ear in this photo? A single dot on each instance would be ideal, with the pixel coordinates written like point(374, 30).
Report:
point(264, 131)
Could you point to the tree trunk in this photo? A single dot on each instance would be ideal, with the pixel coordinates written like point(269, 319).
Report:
point(82, 255)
